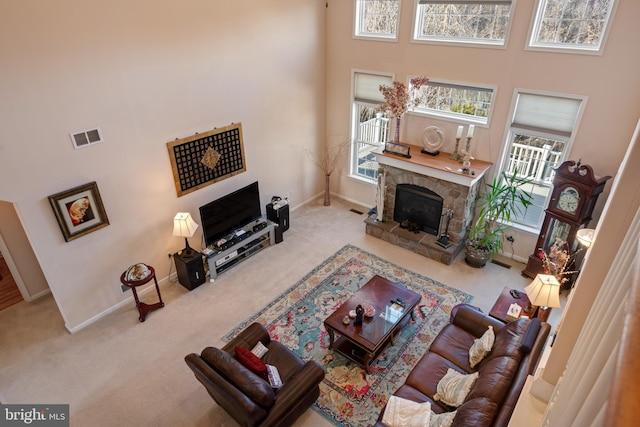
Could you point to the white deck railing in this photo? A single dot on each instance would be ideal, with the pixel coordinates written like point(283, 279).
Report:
point(534, 162)
point(373, 132)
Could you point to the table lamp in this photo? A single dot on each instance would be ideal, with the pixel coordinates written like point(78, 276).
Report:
point(184, 226)
point(585, 236)
point(544, 291)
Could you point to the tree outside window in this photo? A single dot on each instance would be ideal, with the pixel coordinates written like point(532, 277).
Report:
point(470, 21)
point(377, 18)
point(571, 24)
point(456, 101)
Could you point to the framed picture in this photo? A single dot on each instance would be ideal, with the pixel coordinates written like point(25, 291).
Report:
point(397, 149)
point(79, 211)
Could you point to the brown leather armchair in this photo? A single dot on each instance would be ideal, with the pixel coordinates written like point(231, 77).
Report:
point(247, 397)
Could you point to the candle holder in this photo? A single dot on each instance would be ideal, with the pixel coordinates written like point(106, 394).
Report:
point(465, 151)
point(455, 155)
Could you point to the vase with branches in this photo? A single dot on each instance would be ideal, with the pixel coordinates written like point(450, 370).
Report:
point(558, 261)
point(327, 160)
point(399, 99)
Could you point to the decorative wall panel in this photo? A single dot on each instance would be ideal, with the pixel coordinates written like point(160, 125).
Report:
point(202, 159)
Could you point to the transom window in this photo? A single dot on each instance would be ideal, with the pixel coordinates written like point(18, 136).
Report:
point(456, 101)
point(463, 21)
point(538, 140)
point(571, 24)
point(377, 18)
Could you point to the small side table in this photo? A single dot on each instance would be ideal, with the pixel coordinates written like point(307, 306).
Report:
point(143, 308)
point(500, 308)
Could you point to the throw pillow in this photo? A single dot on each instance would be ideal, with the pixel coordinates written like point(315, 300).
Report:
point(259, 349)
point(481, 347)
point(454, 387)
point(444, 419)
point(401, 412)
point(251, 362)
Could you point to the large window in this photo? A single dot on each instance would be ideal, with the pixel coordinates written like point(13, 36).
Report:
point(538, 139)
point(579, 25)
point(377, 19)
point(462, 21)
point(456, 101)
point(370, 127)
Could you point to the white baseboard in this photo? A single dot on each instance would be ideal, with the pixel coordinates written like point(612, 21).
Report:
point(129, 300)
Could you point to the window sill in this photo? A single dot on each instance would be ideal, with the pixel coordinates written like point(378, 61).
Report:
point(501, 45)
point(569, 49)
point(376, 38)
point(449, 118)
point(525, 228)
point(362, 179)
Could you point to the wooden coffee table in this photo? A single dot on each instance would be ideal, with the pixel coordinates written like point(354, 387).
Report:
point(364, 343)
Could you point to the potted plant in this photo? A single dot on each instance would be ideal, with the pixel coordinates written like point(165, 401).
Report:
point(503, 198)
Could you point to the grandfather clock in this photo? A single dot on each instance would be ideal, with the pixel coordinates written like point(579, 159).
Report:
point(575, 192)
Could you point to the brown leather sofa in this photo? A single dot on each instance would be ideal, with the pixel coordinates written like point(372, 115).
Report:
point(502, 373)
point(247, 397)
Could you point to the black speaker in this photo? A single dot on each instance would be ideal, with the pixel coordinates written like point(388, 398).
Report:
point(190, 269)
point(278, 231)
point(279, 216)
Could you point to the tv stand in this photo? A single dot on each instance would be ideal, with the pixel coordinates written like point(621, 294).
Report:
point(240, 245)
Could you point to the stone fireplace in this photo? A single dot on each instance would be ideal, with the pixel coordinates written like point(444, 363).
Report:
point(436, 186)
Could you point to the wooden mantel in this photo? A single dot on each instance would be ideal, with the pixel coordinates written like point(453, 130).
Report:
point(440, 166)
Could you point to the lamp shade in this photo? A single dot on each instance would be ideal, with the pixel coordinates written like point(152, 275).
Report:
point(585, 236)
point(184, 225)
point(544, 291)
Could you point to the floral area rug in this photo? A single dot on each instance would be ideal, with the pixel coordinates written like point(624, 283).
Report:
point(348, 396)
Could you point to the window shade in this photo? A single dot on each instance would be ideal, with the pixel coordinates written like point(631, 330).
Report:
point(367, 87)
point(546, 113)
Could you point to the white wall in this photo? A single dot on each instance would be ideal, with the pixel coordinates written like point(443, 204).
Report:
point(147, 72)
point(610, 81)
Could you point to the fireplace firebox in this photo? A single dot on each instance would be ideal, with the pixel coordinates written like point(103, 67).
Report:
point(417, 208)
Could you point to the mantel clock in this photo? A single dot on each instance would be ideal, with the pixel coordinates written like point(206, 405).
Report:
point(575, 192)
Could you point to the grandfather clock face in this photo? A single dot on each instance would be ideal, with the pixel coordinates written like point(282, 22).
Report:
point(568, 200)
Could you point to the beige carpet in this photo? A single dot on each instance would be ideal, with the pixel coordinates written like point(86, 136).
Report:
point(119, 371)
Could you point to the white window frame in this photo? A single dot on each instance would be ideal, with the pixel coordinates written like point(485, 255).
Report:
point(512, 129)
point(536, 22)
point(452, 115)
point(458, 41)
point(357, 24)
point(355, 121)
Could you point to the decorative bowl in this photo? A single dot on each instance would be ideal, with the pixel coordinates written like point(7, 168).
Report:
point(369, 311)
point(352, 314)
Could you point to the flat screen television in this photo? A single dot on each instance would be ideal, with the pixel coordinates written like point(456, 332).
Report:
point(226, 214)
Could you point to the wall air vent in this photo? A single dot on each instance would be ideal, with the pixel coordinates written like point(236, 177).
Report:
point(85, 138)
